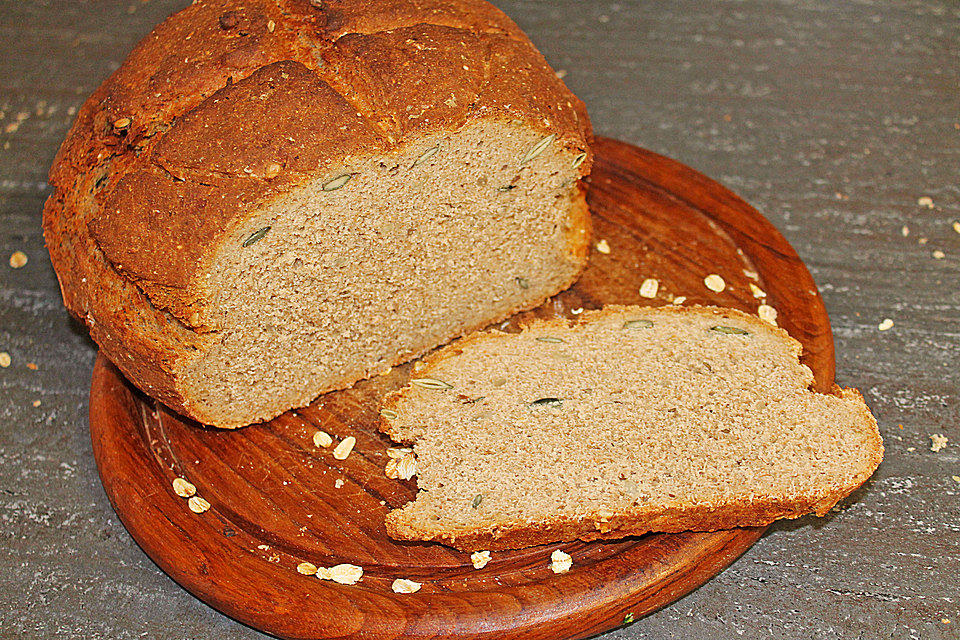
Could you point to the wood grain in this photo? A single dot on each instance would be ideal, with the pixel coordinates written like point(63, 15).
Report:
point(275, 496)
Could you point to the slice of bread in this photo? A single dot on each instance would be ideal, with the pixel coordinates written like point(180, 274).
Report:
point(271, 200)
point(627, 421)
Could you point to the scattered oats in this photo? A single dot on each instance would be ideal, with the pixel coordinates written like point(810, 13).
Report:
point(402, 585)
point(603, 246)
point(649, 288)
point(341, 574)
point(757, 291)
point(36, 403)
point(307, 568)
point(479, 559)
point(560, 562)
point(5, 359)
point(679, 300)
point(956, 226)
point(398, 452)
point(886, 324)
point(922, 240)
point(937, 441)
point(956, 478)
point(344, 448)
point(391, 469)
point(938, 255)
point(338, 484)
point(322, 439)
point(904, 231)
point(925, 201)
point(406, 467)
point(184, 488)
point(911, 449)
point(198, 504)
point(715, 283)
point(768, 314)
point(18, 259)
point(753, 275)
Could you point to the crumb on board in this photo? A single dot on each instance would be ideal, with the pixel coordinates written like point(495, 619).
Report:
point(479, 559)
point(341, 573)
point(679, 300)
point(956, 226)
point(603, 246)
point(198, 504)
point(768, 314)
point(307, 568)
point(938, 255)
point(905, 231)
point(322, 439)
point(885, 324)
point(184, 488)
point(757, 291)
point(560, 561)
point(938, 441)
point(338, 484)
point(18, 259)
point(925, 201)
point(5, 359)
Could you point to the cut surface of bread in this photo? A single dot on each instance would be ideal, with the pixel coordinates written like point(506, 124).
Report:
point(627, 421)
point(271, 200)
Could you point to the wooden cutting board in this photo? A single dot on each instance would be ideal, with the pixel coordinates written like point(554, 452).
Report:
point(277, 500)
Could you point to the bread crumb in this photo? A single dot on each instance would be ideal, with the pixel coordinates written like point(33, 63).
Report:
point(341, 573)
point(715, 283)
point(603, 246)
point(198, 504)
point(32, 366)
point(36, 403)
point(904, 231)
point(956, 226)
point(768, 314)
point(938, 441)
point(184, 488)
point(560, 562)
point(402, 585)
point(479, 559)
point(344, 448)
point(396, 453)
point(322, 439)
point(338, 484)
point(938, 255)
point(956, 478)
point(925, 201)
point(887, 323)
point(753, 275)
point(679, 300)
point(307, 568)
point(757, 291)
point(649, 288)
point(5, 359)
point(922, 240)
point(18, 259)
point(271, 25)
point(561, 73)
point(911, 449)
point(576, 311)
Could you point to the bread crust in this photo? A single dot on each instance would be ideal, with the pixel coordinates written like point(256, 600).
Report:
point(637, 520)
point(161, 152)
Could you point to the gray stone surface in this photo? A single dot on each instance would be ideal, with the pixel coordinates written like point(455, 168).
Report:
point(832, 118)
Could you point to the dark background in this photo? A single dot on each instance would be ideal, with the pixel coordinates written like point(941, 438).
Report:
point(832, 118)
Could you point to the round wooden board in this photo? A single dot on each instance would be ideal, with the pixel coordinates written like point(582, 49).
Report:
point(277, 500)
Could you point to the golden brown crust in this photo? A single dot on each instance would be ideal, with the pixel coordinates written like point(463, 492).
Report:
point(162, 153)
point(642, 519)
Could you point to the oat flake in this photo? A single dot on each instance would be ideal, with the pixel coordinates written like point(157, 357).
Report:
point(649, 288)
point(198, 504)
point(679, 300)
point(767, 314)
point(715, 283)
point(344, 448)
point(886, 324)
point(603, 246)
point(322, 439)
point(757, 291)
point(183, 488)
point(307, 568)
point(938, 441)
point(925, 201)
point(402, 585)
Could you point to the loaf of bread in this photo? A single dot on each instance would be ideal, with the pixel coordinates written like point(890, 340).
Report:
point(273, 199)
point(628, 421)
